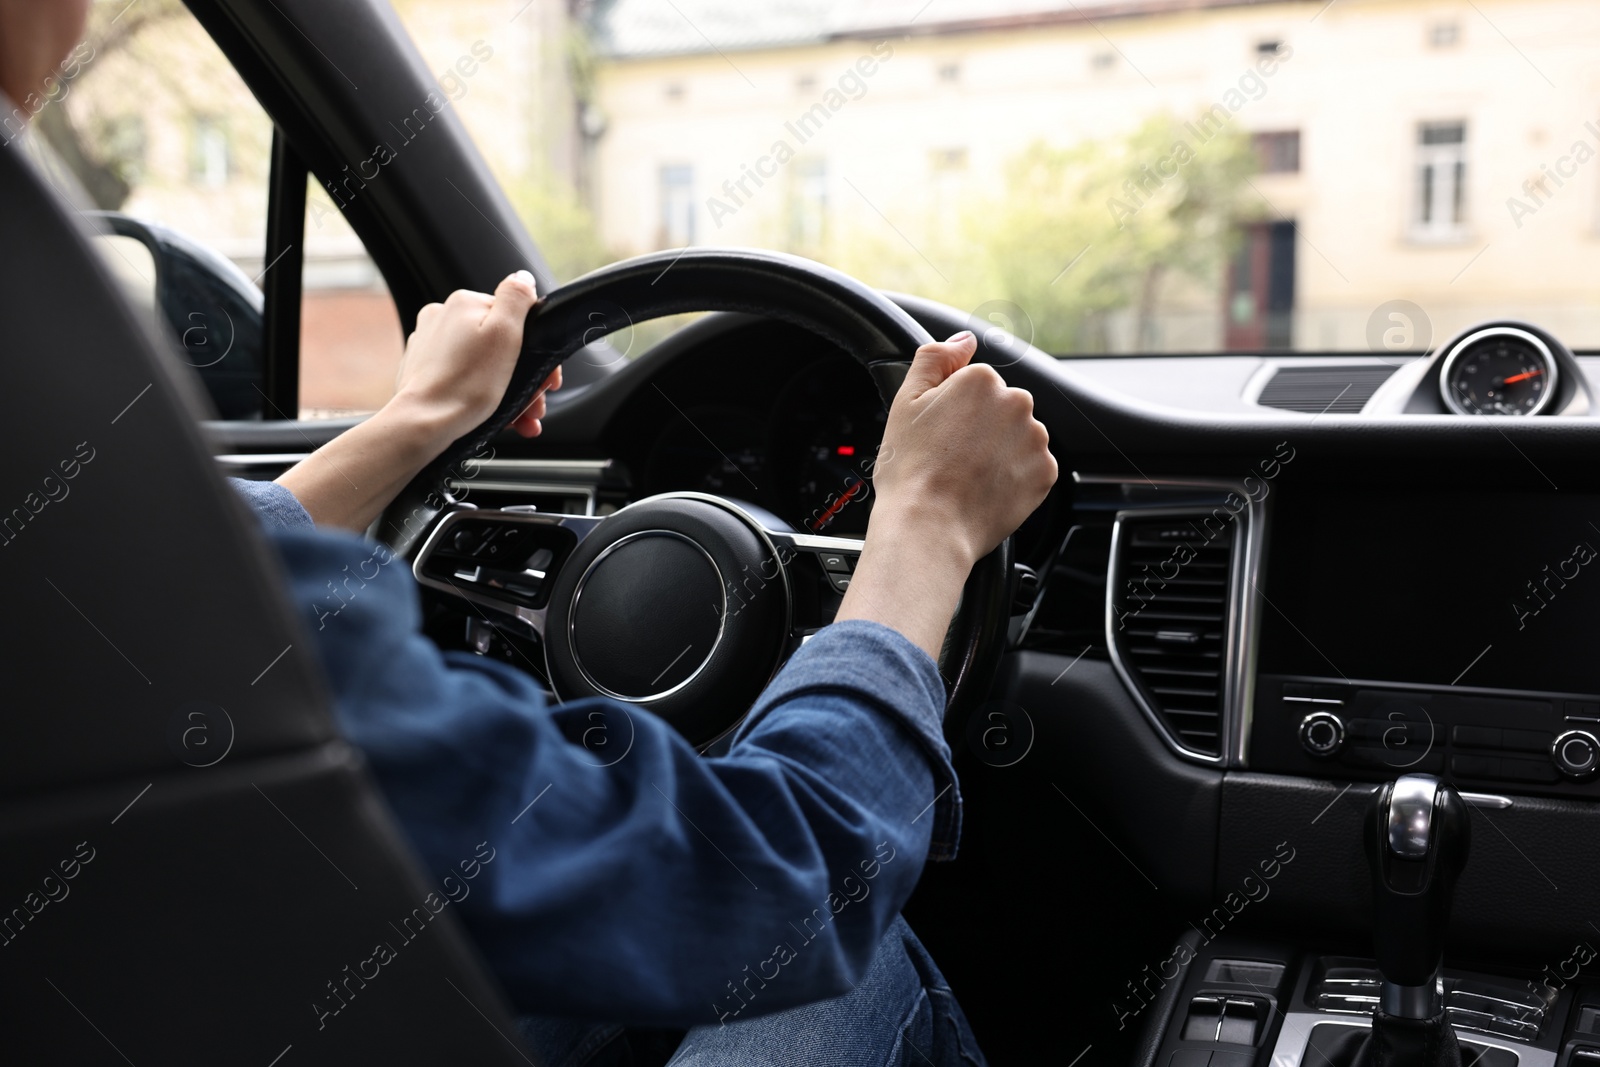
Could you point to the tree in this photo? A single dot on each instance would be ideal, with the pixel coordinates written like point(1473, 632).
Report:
point(99, 159)
point(1083, 231)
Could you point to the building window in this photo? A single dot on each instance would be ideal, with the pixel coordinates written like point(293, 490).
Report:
point(1102, 62)
point(808, 205)
point(1268, 47)
point(209, 158)
point(949, 73)
point(1444, 34)
point(674, 91)
point(805, 84)
point(1441, 178)
point(677, 206)
point(1277, 152)
point(124, 143)
point(947, 160)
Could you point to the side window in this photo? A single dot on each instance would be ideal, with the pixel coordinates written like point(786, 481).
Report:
point(179, 170)
point(350, 338)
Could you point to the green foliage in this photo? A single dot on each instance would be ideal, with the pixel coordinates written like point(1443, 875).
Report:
point(1083, 231)
point(561, 225)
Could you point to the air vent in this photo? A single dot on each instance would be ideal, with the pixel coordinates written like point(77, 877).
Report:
point(1169, 624)
point(1340, 390)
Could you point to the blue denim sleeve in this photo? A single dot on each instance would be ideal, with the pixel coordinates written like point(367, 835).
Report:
point(276, 507)
point(627, 877)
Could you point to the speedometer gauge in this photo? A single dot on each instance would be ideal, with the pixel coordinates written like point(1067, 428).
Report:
point(827, 425)
point(1499, 371)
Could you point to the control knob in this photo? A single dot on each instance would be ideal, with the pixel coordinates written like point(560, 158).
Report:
point(1576, 753)
point(1322, 733)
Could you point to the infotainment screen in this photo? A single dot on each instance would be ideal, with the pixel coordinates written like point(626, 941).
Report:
point(1496, 590)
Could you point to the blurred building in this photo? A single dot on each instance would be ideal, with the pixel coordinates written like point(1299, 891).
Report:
point(1428, 150)
point(1434, 151)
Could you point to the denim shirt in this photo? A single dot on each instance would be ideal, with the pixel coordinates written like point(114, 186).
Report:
point(632, 879)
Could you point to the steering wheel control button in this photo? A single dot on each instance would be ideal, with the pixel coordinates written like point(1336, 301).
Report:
point(840, 582)
point(648, 614)
point(835, 562)
point(1576, 754)
point(1322, 733)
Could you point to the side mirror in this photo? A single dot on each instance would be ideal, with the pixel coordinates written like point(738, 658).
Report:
point(213, 308)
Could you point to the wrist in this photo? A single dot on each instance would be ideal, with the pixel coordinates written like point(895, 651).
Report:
point(924, 532)
point(417, 429)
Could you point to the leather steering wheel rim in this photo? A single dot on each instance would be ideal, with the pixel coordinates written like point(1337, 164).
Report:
point(852, 315)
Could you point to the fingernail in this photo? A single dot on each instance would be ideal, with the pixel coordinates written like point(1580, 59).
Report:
point(523, 276)
point(959, 337)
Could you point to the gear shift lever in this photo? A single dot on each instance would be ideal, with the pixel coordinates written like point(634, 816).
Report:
point(1417, 836)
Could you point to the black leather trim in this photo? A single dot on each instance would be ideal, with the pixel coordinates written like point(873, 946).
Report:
point(145, 585)
point(1099, 750)
point(184, 947)
point(1528, 891)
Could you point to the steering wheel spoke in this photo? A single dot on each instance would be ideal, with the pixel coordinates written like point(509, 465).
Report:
point(505, 560)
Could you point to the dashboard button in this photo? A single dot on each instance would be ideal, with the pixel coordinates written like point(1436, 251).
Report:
point(840, 582)
point(1393, 758)
point(1366, 729)
point(1528, 740)
point(1576, 753)
point(1528, 770)
point(1321, 733)
point(1477, 737)
point(1475, 766)
point(466, 538)
point(835, 562)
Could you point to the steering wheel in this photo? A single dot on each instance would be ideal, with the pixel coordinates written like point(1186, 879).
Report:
point(682, 603)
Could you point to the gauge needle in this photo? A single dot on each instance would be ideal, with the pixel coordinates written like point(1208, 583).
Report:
point(833, 508)
point(1521, 377)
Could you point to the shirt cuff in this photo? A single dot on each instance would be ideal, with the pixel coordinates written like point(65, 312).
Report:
point(277, 508)
point(872, 663)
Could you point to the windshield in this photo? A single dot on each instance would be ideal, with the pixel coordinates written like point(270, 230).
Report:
point(1099, 176)
point(1105, 175)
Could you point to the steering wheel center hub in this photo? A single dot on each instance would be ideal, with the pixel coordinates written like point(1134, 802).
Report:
point(647, 615)
point(680, 604)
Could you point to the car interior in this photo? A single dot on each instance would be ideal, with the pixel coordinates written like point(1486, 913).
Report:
point(1279, 716)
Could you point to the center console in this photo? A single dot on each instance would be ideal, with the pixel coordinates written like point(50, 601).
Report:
point(1435, 633)
point(1242, 1003)
point(1245, 1004)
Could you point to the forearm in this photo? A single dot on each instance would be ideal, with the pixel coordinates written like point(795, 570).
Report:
point(350, 480)
point(909, 577)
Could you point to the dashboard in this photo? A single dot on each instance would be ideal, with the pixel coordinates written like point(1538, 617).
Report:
point(804, 452)
point(1425, 581)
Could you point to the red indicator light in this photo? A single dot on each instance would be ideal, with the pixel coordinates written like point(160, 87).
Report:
point(847, 450)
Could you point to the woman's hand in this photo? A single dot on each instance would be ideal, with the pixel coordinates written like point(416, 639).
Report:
point(458, 363)
point(454, 373)
point(963, 463)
